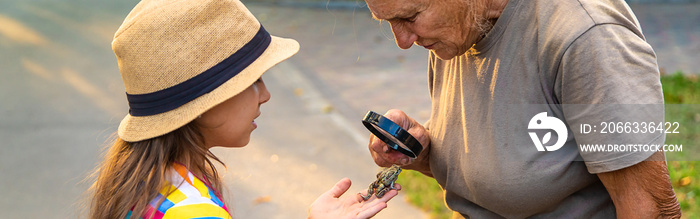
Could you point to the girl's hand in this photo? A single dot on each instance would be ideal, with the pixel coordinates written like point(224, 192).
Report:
point(331, 205)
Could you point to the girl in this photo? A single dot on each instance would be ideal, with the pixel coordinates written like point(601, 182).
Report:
point(192, 69)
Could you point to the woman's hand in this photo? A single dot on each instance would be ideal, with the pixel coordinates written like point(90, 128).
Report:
point(331, 205)
point(385, 157)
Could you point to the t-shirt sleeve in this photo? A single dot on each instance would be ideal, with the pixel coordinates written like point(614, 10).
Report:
point(609, 77)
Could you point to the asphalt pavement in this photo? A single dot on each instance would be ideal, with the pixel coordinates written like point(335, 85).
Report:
point(61, 98)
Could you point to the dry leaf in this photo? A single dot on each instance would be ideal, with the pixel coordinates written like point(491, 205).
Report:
point(327, 108)
point(685, 181)
point(400, 59)
point(260, 200)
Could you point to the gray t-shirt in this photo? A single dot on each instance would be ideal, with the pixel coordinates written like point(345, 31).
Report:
point(571, 59)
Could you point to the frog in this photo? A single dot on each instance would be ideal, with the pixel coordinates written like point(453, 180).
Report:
point(384, 183)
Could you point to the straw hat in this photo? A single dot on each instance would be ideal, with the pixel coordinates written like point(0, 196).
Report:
point(180, 58)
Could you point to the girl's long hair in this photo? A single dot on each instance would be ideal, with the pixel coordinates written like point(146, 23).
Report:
point(133, 173)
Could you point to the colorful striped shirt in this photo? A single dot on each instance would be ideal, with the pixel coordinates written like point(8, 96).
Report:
point(191, 198)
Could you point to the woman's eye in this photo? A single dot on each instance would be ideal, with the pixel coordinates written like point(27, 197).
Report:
point(412, 18)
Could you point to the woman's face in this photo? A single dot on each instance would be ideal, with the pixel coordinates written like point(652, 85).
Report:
point(230, 123)
point(446, 27)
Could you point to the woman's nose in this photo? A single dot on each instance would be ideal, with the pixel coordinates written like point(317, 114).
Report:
point(403, 35)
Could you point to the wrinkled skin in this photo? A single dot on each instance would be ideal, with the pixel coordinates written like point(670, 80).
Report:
point(448, 28)
point(384, 157)
point(384, 183)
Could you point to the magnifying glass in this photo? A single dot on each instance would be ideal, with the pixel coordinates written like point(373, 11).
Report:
point(392, 134)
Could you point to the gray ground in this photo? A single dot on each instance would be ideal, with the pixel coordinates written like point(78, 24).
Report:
point(61, 98)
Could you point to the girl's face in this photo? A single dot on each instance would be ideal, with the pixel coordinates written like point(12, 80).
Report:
point(230, 123)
